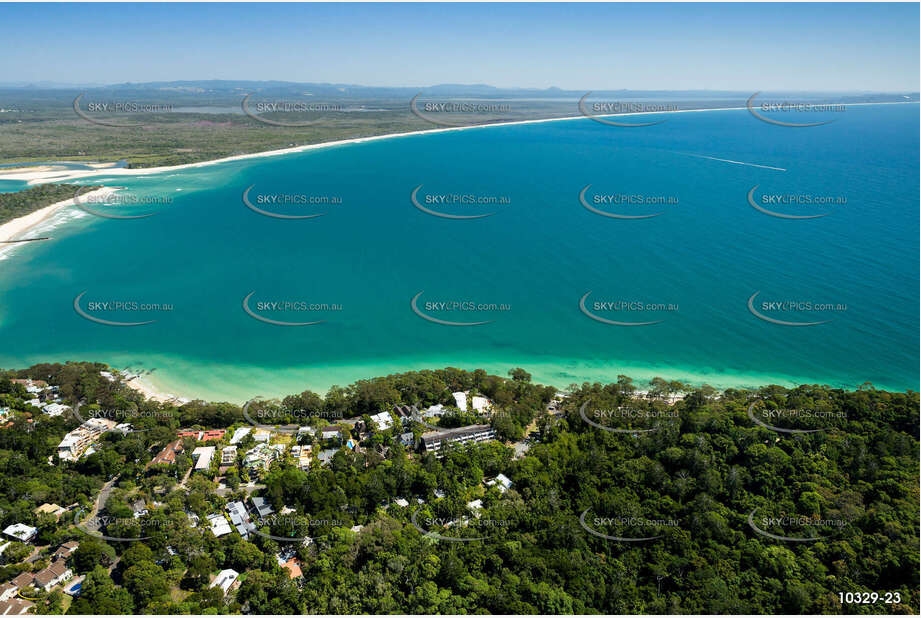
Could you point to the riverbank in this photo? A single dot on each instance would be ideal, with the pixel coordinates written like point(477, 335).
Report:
point(18, 228)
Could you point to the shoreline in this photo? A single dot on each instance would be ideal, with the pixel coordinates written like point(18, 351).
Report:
point(20, 225)
point(151, 392)
point(238, 384)
point(39, 177)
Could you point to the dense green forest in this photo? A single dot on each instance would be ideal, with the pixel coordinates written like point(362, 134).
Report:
point(13, 205)
point(691, 478)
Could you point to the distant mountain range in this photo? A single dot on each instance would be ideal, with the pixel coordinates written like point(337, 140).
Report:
point(219, 88)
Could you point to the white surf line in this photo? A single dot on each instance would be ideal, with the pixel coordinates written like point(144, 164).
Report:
point(767, 167)
point(40, 178)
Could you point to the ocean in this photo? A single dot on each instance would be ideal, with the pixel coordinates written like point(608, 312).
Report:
point(714, 288)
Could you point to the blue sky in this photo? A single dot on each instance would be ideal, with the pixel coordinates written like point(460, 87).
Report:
point(572, 46)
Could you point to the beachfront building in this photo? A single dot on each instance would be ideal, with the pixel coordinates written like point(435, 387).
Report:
point(481, 405)
point(76, 443)
point(471, 434)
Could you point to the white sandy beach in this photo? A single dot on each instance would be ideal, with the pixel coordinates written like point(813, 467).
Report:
point(17, 228)
point(42, 176)
point(150, 392)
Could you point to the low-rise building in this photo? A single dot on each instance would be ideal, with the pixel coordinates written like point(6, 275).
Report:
point(383, 420)
point(65, 550)
point(262, 436)
point(226, 580)
point(219, 525)
point(201, 436)
point(77, 442)
point(262, 506)
point(204, 454)
point(20, 532)
point(55, 409)
point(239, 434)
point(168, 454)
point(15, 607)
point(261, 456)
point(228, 455)
point(240, 518)
point(501, 481)
point(56, 573)
point(50, 509)
point(471, 434)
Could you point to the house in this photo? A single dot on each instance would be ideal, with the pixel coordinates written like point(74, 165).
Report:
point(239, 434)
point(262, 506)
point(301, 455)
point(50, 509)
point(65, 550)
point(55, 409)
point(406, 411)
point(383, 420)
point(219, 525)
point(15, 607)
point(501, 481)
point(226, 580)
point(475, 506)
point(407, 439)
point(326, 456)
point(79, 441)
point(401, 502)
point(294, 568)
point(8, 590)
point(240, 518)
point(471, 434)
point(204, 454)
point(333, 432)
point(435, 411)
point(228, 455)
point(57, 573)
point(168, 454)
point(262, 436)
point(20, 532)
point(139, 508)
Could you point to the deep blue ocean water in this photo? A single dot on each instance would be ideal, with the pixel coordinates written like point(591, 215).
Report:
point(705, 256)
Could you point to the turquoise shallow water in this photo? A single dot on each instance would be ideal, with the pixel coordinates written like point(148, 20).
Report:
point(539, 254)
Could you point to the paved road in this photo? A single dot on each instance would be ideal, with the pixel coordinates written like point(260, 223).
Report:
point(100, 504)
